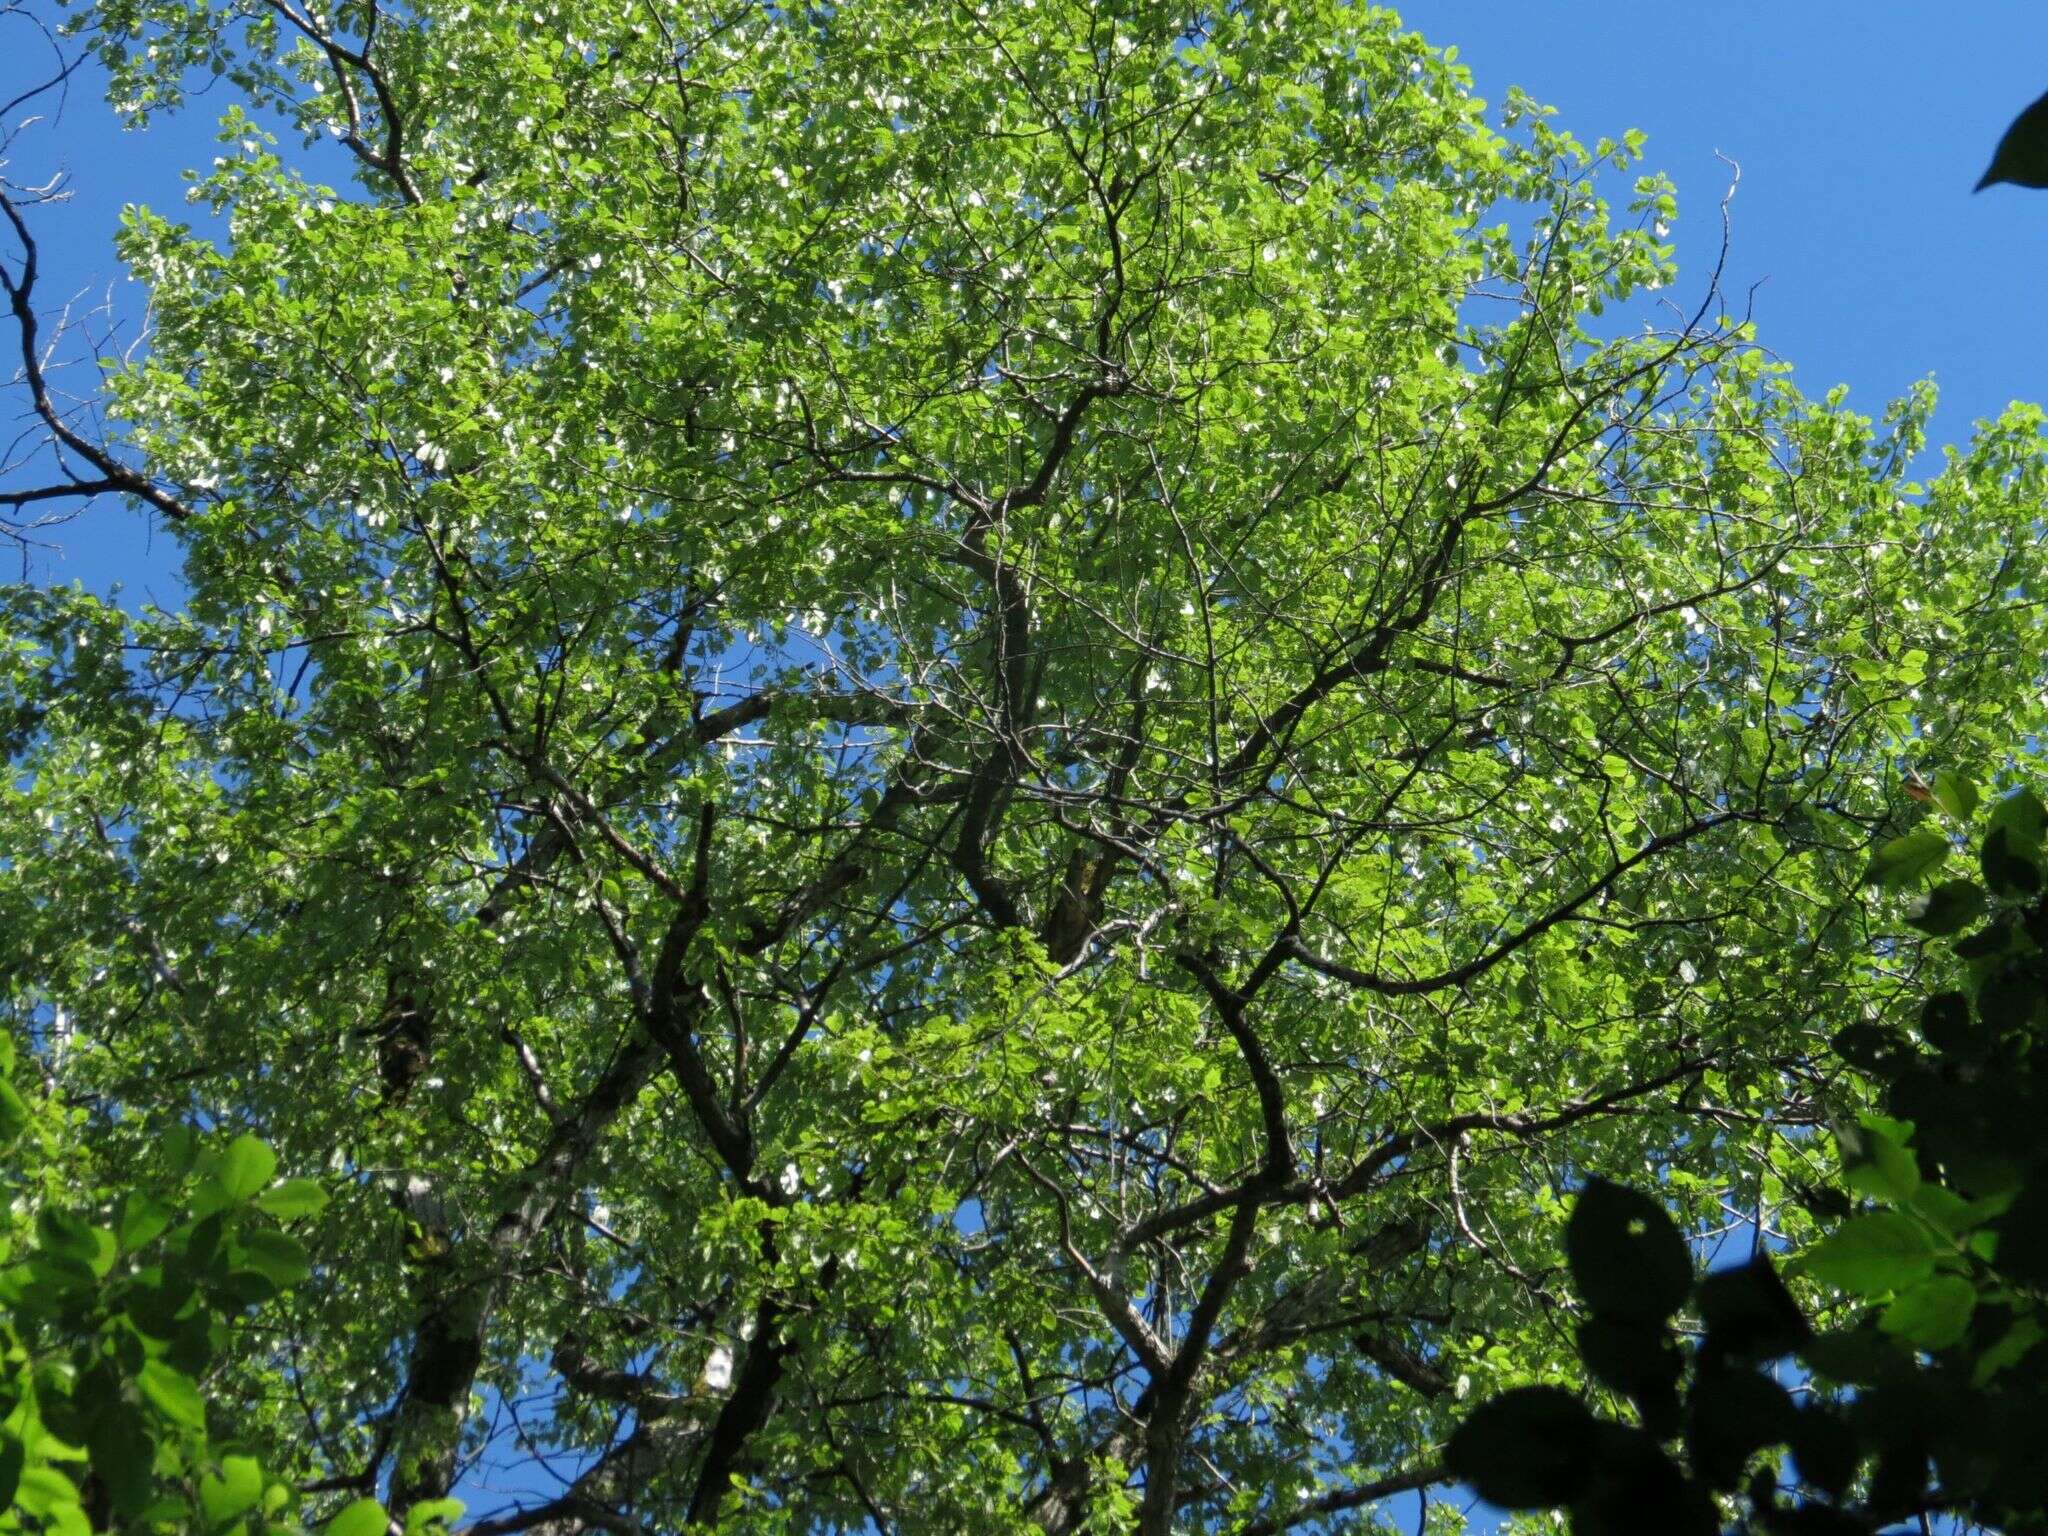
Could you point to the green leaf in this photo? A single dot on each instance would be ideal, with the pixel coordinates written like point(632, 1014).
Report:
point(143, 1220)
point(1948, 908)
point(11, 1458)
point(293, 1198)
point(173, 1393)
point(1871, 1255)
point(45, 1492)
point(1880, 1162)
point(65, 1236)
point(277, 1256)
point(1933, 1314)
point(2021, 816)
point(1955, 794)
point(365, 1517)
point(238, 1487)
point(1906, 859)
point(14, 1115)
point(245, 1168)
point(431, 1515)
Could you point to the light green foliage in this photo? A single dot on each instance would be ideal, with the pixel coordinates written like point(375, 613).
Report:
point(115, 1304)
point(955, 752)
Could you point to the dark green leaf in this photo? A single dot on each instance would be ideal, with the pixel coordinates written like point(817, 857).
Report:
point(2020, 815)
point(2007, 871)
point(1948, 908)
point(1945, 1022)
point(276, 1256)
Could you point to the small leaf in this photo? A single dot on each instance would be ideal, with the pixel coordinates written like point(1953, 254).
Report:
point(1627, 1257)
point(1933, 1314)
point(1530, 1448)
point(431, 1515)
point(173, 1393)
point(238, 1487)
point(365, 1517)
point(293, 1198)
point(1904, 860)
point(245, 1168)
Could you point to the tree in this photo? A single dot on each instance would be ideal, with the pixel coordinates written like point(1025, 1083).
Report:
point(953, 760)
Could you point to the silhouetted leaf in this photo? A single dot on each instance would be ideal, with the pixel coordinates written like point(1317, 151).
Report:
point(1825, 1449)
point(1994, 938)
point(1749, 1314)
point(1866, 1047)
point(2007, 870)
point(1731, 1414)
point(2023, 1237)
point(1530, 1448)
point(1627, 1258)
point(1636, 1487)
point(1639, 1360)
point(1945, 1022)
point(2010, 999)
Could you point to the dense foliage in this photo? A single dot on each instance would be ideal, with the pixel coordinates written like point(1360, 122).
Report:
point(950, 761)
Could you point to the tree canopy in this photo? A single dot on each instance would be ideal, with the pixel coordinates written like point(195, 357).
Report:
point(950, 762)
